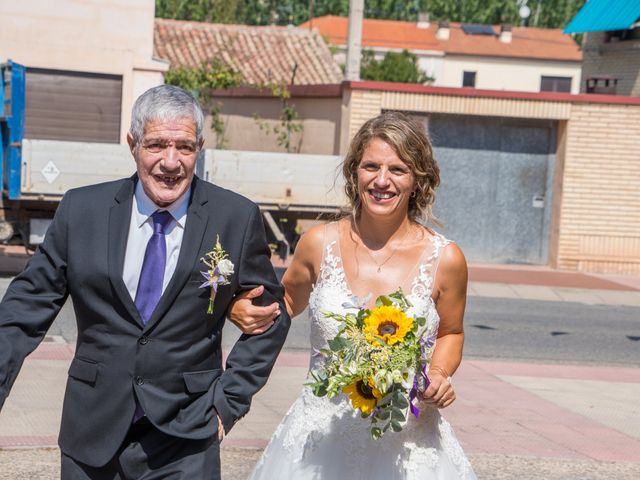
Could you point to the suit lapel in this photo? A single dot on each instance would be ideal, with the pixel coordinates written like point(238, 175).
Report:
point(119, 219)
point(197, 219)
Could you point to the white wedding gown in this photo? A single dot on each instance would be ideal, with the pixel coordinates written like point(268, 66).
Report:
point(325, 439)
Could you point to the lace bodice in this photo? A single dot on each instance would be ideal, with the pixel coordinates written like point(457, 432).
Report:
point(331, 293)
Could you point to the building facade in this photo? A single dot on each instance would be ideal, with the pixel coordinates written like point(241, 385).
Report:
point(86, 63)
point(477, 56)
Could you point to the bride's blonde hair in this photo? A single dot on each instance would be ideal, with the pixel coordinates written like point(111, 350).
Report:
point(409, 140)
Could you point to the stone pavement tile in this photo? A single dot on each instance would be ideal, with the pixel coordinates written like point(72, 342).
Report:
point(607, 374)
point(237, 463)
point(500, 290)
point(605, 402)
point(33, 407)
point(612, 297)
point(271, 403)
point(578, 295)
point(44, 464)
point(518, 422)
point(524, 467)
point(536, 292)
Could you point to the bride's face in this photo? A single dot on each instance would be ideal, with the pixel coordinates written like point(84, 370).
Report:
point(385, 182)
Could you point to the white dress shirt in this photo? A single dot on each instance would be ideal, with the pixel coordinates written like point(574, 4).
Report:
point(141, 230)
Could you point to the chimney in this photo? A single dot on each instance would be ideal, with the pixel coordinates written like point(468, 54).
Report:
point(505, 33)
point(443, 30)
point(423, 20)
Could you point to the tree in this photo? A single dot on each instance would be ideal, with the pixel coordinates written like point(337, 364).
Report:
point(394, 67)
point(200, 81)
point(544, 13)
point(212, 11)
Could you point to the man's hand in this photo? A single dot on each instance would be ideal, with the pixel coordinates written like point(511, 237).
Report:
point(249, 318)
point(220, 430)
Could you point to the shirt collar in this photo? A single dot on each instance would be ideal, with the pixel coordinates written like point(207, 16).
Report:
point(143, 206)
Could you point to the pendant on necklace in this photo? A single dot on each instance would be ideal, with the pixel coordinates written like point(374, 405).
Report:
point(379, 269)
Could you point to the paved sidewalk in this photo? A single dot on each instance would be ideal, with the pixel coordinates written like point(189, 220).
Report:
point(514, 420)
point(523, 415)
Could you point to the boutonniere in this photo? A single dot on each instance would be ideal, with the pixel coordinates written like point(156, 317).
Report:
point(220, 268)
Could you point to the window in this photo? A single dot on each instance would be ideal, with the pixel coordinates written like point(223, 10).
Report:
point(555, 84)
point(622, 35)
point(469, 79)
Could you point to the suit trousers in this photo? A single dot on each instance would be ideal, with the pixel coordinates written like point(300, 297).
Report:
point(149, 454)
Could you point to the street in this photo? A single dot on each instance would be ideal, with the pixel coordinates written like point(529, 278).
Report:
point(501, 328)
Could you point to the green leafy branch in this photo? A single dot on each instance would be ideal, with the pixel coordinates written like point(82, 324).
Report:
point(201, 81)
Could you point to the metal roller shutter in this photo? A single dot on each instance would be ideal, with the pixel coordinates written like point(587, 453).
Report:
point(74, 106)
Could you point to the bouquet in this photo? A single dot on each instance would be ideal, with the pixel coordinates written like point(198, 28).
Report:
point(379, 359)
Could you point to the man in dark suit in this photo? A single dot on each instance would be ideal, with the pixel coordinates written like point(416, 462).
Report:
point(146, 395)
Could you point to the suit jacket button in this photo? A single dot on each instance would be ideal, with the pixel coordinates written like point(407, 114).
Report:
point(143, 340)
point(139, 380)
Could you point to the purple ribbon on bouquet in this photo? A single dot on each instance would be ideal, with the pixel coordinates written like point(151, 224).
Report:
point(413, 394)
point(429, 342)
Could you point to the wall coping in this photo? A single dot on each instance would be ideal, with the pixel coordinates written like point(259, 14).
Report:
point(479, 93)
point(324, 90)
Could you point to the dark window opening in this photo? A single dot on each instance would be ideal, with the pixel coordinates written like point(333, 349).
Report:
point(469, 79)
point(622, 35)
point(478, 29)
point(555, 84)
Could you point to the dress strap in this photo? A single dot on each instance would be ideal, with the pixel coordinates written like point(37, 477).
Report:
point(428, 267)
point(439, 244)
point(330, 242)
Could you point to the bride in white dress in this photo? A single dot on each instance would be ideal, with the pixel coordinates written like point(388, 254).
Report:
point(390, 177)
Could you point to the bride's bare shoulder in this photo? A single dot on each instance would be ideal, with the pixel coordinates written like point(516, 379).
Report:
point(309, 249)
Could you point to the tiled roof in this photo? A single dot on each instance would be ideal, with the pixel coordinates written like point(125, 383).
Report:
point(376, 33)
point(533, 43)
point(260, 54)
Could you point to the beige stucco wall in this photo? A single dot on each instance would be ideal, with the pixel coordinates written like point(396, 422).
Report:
point(595, 225)
point(320, 118)
point(495, 73)
point(98, 36)
point(618, 59)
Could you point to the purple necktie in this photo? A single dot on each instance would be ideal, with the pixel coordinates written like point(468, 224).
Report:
point(152, 273)
point(151, 277)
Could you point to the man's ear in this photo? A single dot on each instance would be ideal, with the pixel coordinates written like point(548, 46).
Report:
point(131, 142)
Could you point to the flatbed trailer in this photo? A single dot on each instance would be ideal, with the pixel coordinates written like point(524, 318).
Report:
point(289, 188)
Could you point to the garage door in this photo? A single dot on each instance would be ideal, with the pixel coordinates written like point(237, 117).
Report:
point(73, 106)
point(495, 196)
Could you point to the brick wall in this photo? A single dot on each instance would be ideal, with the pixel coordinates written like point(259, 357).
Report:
point(599, 224)
point(596, 212)
point(618, 59)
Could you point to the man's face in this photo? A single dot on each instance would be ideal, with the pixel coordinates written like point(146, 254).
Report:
point(166, 158)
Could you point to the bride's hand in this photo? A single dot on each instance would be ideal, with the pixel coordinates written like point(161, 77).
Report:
point(249, 318)
point(440, 392)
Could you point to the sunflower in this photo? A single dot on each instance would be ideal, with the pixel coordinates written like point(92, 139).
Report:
point(387, 323)
point(363, 395)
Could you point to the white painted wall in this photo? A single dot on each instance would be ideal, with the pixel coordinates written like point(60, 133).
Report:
point(494, 73)
point(99, 36)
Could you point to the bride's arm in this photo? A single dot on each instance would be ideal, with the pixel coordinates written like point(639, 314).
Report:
point(299, 278)
point(298, 282)
point(451, 288)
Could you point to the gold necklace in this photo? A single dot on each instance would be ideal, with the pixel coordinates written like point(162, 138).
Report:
point(380, 265)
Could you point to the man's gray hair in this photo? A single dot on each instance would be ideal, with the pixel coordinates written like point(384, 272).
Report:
point(165, 102)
